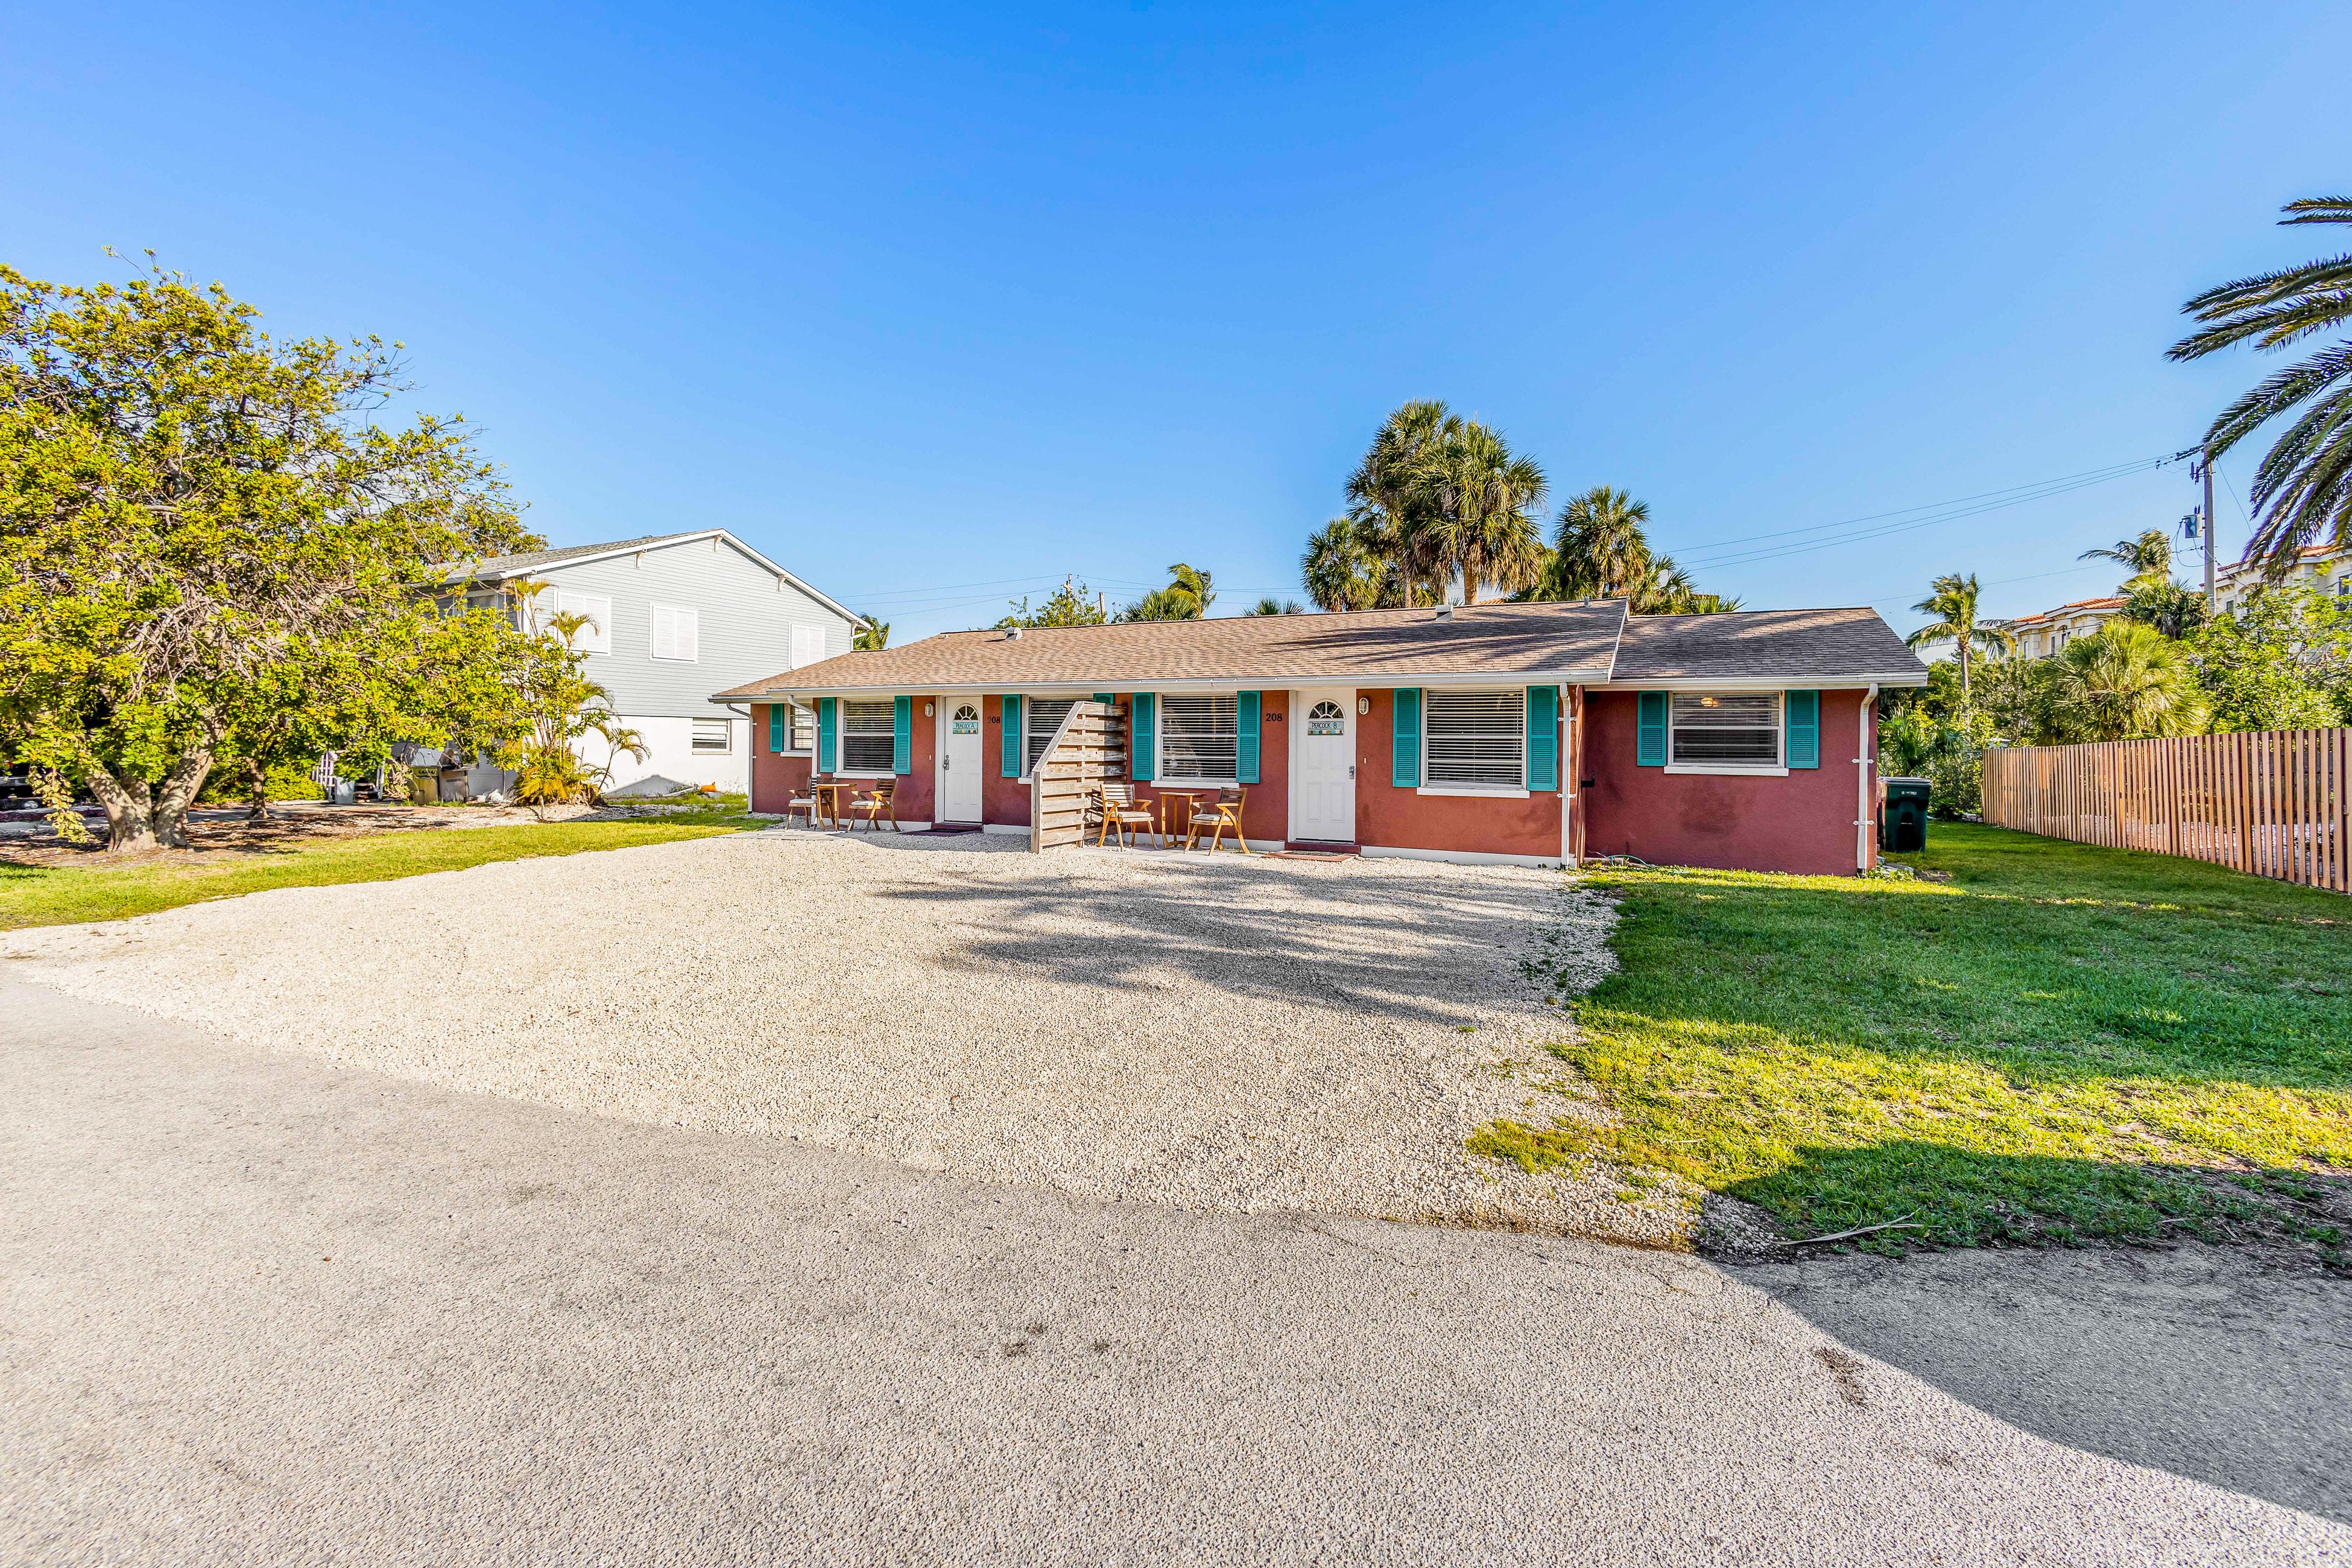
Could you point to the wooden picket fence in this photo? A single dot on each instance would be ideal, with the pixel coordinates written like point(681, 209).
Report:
point(2275, 803)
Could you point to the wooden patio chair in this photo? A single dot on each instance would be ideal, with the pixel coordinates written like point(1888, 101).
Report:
point(1216, 816)
point(805, 804)
point(1122, 814)
point(873, 803)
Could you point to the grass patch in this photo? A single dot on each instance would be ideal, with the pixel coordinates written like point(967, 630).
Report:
point(44, 895)
point(2061, 1042)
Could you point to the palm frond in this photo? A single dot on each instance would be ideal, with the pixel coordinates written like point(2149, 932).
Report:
point(2318, 209)
point(2303, 488)
point(2274, 396)
point(2273, 325)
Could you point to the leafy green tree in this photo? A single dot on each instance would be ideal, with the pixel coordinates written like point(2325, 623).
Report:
point(2303, 488)
point(539, 708)
point(2282, 661)
point(1071, 605)
point(2159, 602)
point(1475, 494)
point(1187, 597)
point(1270, 606)
point(871, 636)
point(2125, 682)
point(1390, 493)
point(1952, 600)
point(188, 510)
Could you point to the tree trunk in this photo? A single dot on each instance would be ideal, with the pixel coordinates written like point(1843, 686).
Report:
point(1469, 584)
point(256, 779)
point(140, 817)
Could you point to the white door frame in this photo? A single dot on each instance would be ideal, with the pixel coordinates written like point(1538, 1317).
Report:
point(1300, 702)
point(941, 706)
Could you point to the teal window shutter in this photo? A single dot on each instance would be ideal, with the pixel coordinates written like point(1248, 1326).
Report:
point(1247, 706)
point(775, 728)
point(1404, 758)
point(828, 736)
point(1143, 738)
point(1803, 710)
point(902, 734)
point(1105, 696)
point(1013, 743)
point(1543, 737)
point(1650, 730)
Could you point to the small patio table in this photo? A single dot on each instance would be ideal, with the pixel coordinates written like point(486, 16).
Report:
point(829, 793)
point(1169, 810)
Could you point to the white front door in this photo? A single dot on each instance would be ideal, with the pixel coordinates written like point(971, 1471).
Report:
point(1323, 765)
point(960, 751)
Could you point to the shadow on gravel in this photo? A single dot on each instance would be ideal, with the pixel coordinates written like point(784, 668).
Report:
point(2226, 1366)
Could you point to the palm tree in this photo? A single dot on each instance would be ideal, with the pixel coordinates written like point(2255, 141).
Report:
point(2127, 681)
point(1473, 513)
point(1390, 494)
point(1341, 568)
point(872, 637)
point(1952, 600)
point(1187, 597)
point(2148, 556)
point(1601, 550)
point(1270, 606)
point(2303, 488)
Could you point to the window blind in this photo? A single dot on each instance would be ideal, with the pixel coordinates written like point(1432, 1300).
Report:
point(712, 735)
point(1476, 740)
point(1044, 716)
point(674, 633)
point(1736, 727)
point(868, 735)
point(1200, 738)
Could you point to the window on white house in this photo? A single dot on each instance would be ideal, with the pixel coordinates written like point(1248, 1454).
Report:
point(1200, 738)
point(867, 746)
point(808, 645)
point(1040, 717)
point(1475, 740)
point(1732, 728)
point(674, 633)
point(713, 736)
point(596, 609)
point(803, 725)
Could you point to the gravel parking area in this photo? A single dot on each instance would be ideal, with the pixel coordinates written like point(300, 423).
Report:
point(1227, 1035)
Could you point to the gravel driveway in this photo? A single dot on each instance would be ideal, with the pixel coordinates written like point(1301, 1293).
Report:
point(1226, 1035)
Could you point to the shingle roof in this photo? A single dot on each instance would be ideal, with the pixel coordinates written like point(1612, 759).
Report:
point(1572, 642)
point(531, 560)
point(2103, 602)
point(1764, 645)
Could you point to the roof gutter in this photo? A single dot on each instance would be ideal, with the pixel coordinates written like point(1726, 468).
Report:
point(1372, 682)
point(1792, 681)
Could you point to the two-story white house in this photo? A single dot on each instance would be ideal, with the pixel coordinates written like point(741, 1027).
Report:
point(2327, 567)
point(672, 618)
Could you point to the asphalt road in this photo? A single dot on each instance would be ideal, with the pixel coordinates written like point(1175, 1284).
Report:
point(256, 1308)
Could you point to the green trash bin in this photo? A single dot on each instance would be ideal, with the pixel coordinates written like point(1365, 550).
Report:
point(1902, 815)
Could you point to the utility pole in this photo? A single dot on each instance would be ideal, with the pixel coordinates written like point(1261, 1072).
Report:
point(2204, 470)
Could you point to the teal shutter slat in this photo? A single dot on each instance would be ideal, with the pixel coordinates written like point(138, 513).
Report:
point(1105, 696)
point(1404, 759)
point(775, 728)
point(828, 736)
point(1650, 730)
point(1011, 749)
point(1248, 707)
point(1803, 709)
point(1143, 742)
point(1543, 737)
point(902, 734)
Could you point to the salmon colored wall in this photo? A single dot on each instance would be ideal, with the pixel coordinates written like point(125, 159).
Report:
point(1395, 819)
point(776, 779)
point(1001, 800)
point(1266, 811)
point(1803, 823)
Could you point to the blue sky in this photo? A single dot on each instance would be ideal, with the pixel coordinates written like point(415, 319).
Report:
point(936, 305)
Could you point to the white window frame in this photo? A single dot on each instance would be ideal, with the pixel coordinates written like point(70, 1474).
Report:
point(685, 617)
point(890, 732)
point(1777, 768)
point(726, 747)
point(1163, 779)
point(807, 645)
point(800, 718)
point(1029, 730)
point(1482, 791)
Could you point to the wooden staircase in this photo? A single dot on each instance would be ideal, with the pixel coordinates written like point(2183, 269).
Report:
point(1089, 750)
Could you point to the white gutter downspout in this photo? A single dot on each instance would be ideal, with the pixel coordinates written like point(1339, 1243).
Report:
point(1862, 822)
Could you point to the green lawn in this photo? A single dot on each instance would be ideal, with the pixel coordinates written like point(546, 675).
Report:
point(2061, 1042)
point(37, 896)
